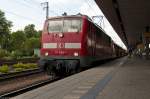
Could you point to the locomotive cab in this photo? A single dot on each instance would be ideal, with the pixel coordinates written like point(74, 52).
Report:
point(61, 44)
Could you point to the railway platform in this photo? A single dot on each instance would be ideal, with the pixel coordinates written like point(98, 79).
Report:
point(124, 78)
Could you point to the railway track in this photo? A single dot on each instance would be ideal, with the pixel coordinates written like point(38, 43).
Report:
point(14, 75)
point(26, 60)
point(28, 88)
point(15, 83)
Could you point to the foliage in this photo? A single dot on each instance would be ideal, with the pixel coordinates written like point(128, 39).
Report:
point(4, 69)
point(31, 44)
point(8, 58)
point(3, 53)
point(16, 54)
point(30, 31)
point(24, 42)
point(19, 69)
point(25, 66)
point(17, 39)
point(20, 43)
point(18, 65)
point(5, 26)
point(31, 65)
point(38, 34)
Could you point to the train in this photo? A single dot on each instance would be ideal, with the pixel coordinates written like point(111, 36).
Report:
point(72, 42)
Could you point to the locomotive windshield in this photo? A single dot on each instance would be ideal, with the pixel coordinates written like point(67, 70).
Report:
point(66, 25)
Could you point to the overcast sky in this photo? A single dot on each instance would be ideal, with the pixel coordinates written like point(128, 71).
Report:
point(24, 12)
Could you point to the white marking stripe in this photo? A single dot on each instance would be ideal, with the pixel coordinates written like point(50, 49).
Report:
point(72, 45)
point(67, 45)
point(80, 91)
point(72, 97)
point(49, 45)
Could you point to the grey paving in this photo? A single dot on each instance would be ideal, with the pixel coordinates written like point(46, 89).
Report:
point(132, 81)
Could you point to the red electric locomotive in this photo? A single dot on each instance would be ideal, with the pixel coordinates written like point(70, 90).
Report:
point(71, 42)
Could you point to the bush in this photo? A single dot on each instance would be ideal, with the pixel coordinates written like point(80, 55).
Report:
point(3, 53)
point(4, 69)
point(31, 65)
point(19, 69)
point(17, 54)
point(18, 65)
point(25, 66)
point(8, 58)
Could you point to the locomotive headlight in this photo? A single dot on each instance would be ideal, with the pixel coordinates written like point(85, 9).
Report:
point(76, 54)
point(46, 54)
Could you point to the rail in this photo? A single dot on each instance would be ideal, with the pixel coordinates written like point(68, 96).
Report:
point(14, 61)
point(28, 88)
point(18, 74)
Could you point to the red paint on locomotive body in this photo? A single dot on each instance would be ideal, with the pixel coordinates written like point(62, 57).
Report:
point(90, 40)
point(96, 42)
point(63, 43)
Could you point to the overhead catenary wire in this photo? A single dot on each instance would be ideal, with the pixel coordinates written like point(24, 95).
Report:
point(24, 4)
point(54, 12)
point(64, 6)
point(96, 13)
point(101, 18)
point(37, 3)
point(34, 9)
point(23, 17)
point(87, 1)
point(28, 6)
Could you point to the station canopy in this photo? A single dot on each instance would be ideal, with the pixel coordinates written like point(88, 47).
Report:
point(129, 18)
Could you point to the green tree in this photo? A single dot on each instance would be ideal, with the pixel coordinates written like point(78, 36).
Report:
point(38, 34)
point(31, 44)
point(30, 31)
point(5, 26)
point(17, 40)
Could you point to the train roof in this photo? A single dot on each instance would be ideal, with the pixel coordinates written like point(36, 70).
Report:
point(70, 16)
point(78, 16)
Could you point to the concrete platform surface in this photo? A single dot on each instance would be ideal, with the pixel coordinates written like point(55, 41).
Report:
point(119, 79)
point(132, 81)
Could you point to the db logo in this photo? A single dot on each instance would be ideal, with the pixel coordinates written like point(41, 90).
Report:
point(61, 45)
